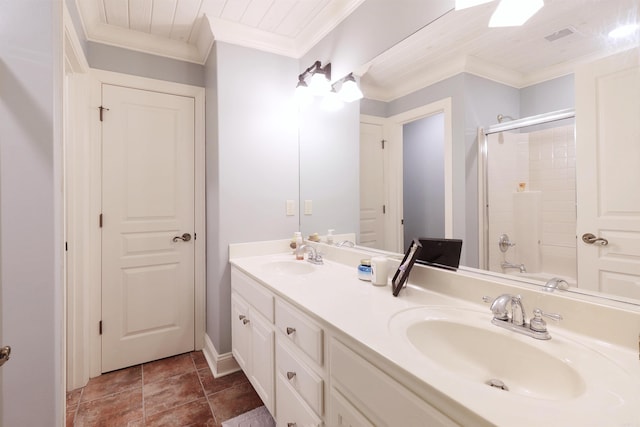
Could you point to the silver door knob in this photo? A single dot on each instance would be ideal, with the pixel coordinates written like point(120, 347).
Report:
point(5, 352)
point(591, 239)
point(185, 237)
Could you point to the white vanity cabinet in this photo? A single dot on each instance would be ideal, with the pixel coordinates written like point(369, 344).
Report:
point(299, 368)
point(306, 374)
point(253, 334)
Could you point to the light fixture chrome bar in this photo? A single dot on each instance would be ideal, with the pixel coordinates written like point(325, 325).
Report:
point(531, 121)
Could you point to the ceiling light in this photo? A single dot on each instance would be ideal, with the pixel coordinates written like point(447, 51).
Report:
point(624, 31)
point(349, 91)
point(513, 13)
point(464, 4)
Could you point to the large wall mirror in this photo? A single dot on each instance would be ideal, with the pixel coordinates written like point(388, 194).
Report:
point(553, 62)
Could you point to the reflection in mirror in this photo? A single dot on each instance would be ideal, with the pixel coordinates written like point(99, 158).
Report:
point(530, 194)
point(520, 72)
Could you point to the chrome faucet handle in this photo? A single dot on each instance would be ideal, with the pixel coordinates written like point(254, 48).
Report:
point(499, 307)
point(538, 324)
point(518, 316)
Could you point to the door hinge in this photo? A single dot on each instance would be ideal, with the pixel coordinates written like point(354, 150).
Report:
point(100, 220)
point(384, 209)
point(383, 141)
point(402, 221)
point(66, 246)
point(195, 236)
point(100, 327)
point(101, 108)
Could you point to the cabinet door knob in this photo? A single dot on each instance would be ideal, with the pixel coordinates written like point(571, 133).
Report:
point(290, 330)
point(291, 424)
point(245, 321)
point(242, 317)
point(290, 375)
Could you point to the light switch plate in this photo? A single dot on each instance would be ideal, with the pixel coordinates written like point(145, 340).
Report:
point(308, 207)
point(291, 208)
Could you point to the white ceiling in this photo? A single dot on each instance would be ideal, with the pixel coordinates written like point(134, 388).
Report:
point(185, 29)
point(460, 41)
point(518, 56)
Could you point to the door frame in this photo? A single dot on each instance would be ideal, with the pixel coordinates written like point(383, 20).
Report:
point(88, 306)
point(393, 134)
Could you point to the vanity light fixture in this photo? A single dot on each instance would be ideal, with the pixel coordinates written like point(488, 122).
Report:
point(513, 13)
point(319, 84)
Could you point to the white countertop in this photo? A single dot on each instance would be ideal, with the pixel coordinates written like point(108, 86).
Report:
point(333, 294)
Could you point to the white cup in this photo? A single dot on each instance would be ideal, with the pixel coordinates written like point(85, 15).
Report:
point(379, 271)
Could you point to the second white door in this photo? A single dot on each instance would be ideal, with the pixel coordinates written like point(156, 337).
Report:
point(147, 226)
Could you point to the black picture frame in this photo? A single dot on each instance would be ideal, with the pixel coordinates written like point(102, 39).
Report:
point(402, 273)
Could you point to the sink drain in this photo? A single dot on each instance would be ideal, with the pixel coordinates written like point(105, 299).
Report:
point(496, 383)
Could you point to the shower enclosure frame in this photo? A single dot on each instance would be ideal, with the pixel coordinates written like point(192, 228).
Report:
point(483, 167)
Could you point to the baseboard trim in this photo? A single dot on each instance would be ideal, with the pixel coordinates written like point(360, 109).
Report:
point(220, 364)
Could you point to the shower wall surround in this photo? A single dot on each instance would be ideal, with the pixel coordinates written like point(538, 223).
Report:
point(545, 161)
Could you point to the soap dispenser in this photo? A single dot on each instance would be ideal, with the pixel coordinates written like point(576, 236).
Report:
point(299, 253)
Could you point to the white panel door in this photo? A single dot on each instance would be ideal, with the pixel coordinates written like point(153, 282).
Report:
point(372, 186)
point(608, 173)
point(147, 200)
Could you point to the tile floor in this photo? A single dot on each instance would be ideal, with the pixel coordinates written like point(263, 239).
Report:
point(177, 391)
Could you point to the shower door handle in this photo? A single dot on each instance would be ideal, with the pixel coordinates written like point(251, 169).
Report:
point(592, 239)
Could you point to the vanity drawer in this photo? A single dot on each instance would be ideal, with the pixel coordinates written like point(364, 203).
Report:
point(300, 329)
point(253, 292)
point(299, 376)
point(373, 392)
point(291, 410)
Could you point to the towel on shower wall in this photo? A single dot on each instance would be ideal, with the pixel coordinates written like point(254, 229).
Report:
point(527, 221)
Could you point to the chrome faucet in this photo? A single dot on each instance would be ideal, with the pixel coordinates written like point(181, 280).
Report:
point(314, 257)
point(345, 243)
point(556, 283)
point(520, 267)
point(516, 320)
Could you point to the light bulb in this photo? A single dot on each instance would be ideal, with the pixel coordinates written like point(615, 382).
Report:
point(302, 94)
point(349, 91)
point(319, 84)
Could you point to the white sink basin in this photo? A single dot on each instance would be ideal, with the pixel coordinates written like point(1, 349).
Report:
point(462, 345)
point(488, 356)
point(289, 267)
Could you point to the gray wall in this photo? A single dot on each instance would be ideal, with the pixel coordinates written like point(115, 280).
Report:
point(252, 164)
point(30, 212)
point(119, 60)
point(552, 95)
point(329, 176)
point(423, 178)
